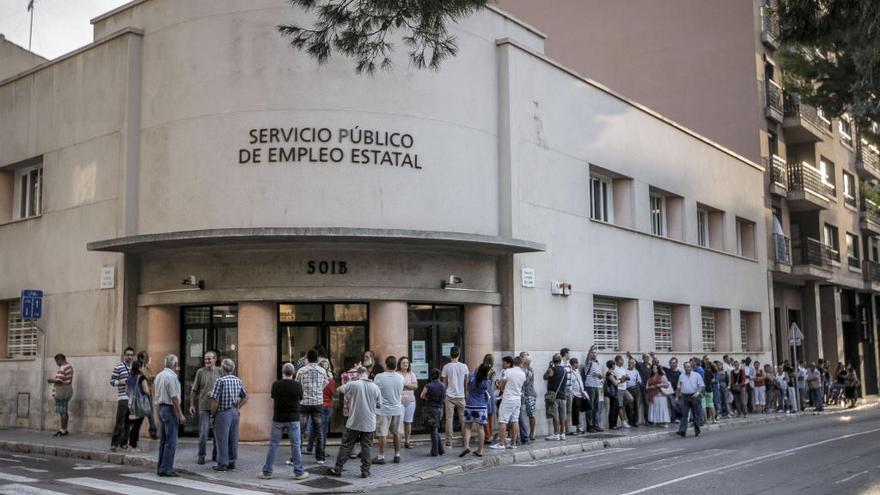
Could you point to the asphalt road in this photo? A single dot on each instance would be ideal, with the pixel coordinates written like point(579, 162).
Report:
point(835, 454)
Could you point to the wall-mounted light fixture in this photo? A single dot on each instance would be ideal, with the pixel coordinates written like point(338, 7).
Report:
point(558, 288)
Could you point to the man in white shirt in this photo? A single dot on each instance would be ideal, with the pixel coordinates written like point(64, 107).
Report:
point(454, 376)
point(690, 390)
point(389, 418)
point(511, 381)
point(634, 387)
point(623, 397)
point(592, 375)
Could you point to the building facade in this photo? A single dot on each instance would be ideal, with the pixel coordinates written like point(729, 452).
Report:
point(714, 70)
point(188, 183)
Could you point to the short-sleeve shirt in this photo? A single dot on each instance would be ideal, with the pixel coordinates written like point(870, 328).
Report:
point(455, 374)
point(513, 387)
point(409, 378)
point(690, 384)
point(313, 379)
point(588, 369)
point(228, 391)
point(363, 398)
point(286, 395)
point(167, 387)
point(64, 374)
point(619, 373)
point(390, 383)
point(529, 385)
point(557, 382)
point(435, 394)
point(203, 384)
point(478, 392)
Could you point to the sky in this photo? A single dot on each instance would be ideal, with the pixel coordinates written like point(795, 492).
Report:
point(60, 26)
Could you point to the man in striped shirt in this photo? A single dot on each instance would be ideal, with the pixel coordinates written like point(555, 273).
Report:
point(119, 440)
point(63, 391)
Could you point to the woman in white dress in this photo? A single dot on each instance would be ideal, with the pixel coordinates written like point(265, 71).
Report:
point(658, 388)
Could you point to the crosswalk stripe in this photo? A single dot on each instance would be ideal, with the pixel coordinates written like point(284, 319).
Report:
point(195, 485)
point(16, 478)
point(110, 486)
point(33, 458)
point(6, 459)
point(16, 489)
point(30, 469)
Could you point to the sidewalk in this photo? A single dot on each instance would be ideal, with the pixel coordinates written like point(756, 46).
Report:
point(417, 463)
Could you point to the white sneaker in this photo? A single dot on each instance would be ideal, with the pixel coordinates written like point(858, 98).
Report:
point(304, 475)
point(626, 425)
point(562, 437)
point(552, 438)
point(496, 446)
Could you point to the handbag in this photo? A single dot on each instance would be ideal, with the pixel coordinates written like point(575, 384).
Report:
point(63, 392)
point(550, 396)
point(140, 405)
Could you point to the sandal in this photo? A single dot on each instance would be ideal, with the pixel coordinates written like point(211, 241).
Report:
point(478, 454)
point(464, 452)
point(407, 445)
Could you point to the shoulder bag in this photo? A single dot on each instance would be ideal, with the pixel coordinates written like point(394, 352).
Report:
point(139, 404)
point(550, 396)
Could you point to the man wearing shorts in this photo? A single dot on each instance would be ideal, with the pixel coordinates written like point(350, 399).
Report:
point(390, 415)
point(556, 382)
point(529, 396)
point(63, 391)
point(511, 381)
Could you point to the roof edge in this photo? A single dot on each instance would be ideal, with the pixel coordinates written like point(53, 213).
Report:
point(523, 24)
point(115, 11)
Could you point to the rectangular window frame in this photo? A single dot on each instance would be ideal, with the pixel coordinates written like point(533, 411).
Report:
point(703, 227)
point(22, 335)
point(658, 214)
point(28, 192)
point(826, 171)
point(601, 207)
point(662, 327)
point(708, 329)
point(606, 324)
point(744, 331)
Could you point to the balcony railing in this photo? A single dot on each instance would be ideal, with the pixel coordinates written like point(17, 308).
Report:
point(794, 107)
point(854, 263)
point(803, 177)
point(813, 252)
point(776, 166)
point(871, 271)
point(782, 249)
point(870, 211)
point(769, 24)
point(773, 95)
point(868, 156)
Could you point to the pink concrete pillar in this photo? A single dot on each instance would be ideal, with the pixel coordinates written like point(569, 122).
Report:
point(389, 329)
point(256, 367)
point(628, 311)
point(681, 327)
point(723, 336)
point(163, 334)
point(477, 333)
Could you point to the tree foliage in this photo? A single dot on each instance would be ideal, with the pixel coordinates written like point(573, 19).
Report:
point(360, 29)
point(830, 53)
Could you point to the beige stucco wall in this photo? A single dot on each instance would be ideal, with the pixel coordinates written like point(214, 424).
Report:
point(15, 59)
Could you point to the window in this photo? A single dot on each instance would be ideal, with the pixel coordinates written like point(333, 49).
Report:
point(852, 250)
point(702, 227)
point(663, 327)
point(708, 330)
point(745, 238)
point(28, 192)
point(22, 334)
point(849, 189)
point(772, 144)
point(831, 240)
point(601, 204)
point(845, 127)
point(606, 327)
point(744, 331)
point(873, 249)
point(826, 171)
point(658, 215)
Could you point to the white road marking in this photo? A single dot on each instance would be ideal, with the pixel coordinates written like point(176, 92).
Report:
point(88, 467)
point(850, 477)
point(110, 486)
point(668, 461)
point(16, 489)
point(195, 485)
point(749, 461)
point(570, 457)
point(6, 459)
point(756, 462)
point(16, 478)
point(33, 470)
point(22, 456)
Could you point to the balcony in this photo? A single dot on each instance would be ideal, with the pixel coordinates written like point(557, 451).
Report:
point(867, 161)
point(803, 123)
point(773, 106)
point(806, 189)
point(870, 216)
point(775, 166)
point(769, 28)
point(871, 272)
point(812, 259)
point(781, 261)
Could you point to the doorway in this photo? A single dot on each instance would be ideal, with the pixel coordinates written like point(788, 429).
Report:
point(433, 331)
point(203, 329)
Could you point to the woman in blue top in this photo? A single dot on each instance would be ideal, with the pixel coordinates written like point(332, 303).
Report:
point(476, 408)
point(434, 394)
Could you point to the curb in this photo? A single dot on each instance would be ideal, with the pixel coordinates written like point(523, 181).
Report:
point(527, 455)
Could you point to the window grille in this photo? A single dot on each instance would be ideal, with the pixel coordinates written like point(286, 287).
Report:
point(708, 325)
point(663, 327)
point(22, 337)
point(606, 330)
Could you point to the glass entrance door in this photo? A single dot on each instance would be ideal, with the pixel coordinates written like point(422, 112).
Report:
point(205, 328)
point(433, 331)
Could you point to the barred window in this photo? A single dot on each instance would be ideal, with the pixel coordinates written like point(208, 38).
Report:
point(663, 327)
point(702, 227)
point(744, 331)
point(22, 337)
point(658, 215)
point(708, 325)
point(606, 330)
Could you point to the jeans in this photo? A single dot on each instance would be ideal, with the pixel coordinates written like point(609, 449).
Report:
point(226, 436)
point(523, 426)
point(689, 404)
point(204, 433)
point(120, 427)
point(816, 395)
point(349, 439)
point(315, 416)
point(593, 414)
point(613, 411)
point(637, 404)
point(275, 439)
point(725, 406)
point(153, 430)
point(325, 428)
point(167, 438)
point(436, 439)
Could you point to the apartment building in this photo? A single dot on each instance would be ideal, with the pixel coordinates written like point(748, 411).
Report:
point(711, 66)
point(187, 182)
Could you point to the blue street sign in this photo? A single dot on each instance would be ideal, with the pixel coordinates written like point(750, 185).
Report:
point(31, 304)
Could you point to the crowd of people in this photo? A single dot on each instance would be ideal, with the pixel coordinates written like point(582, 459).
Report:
point(496, 407)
